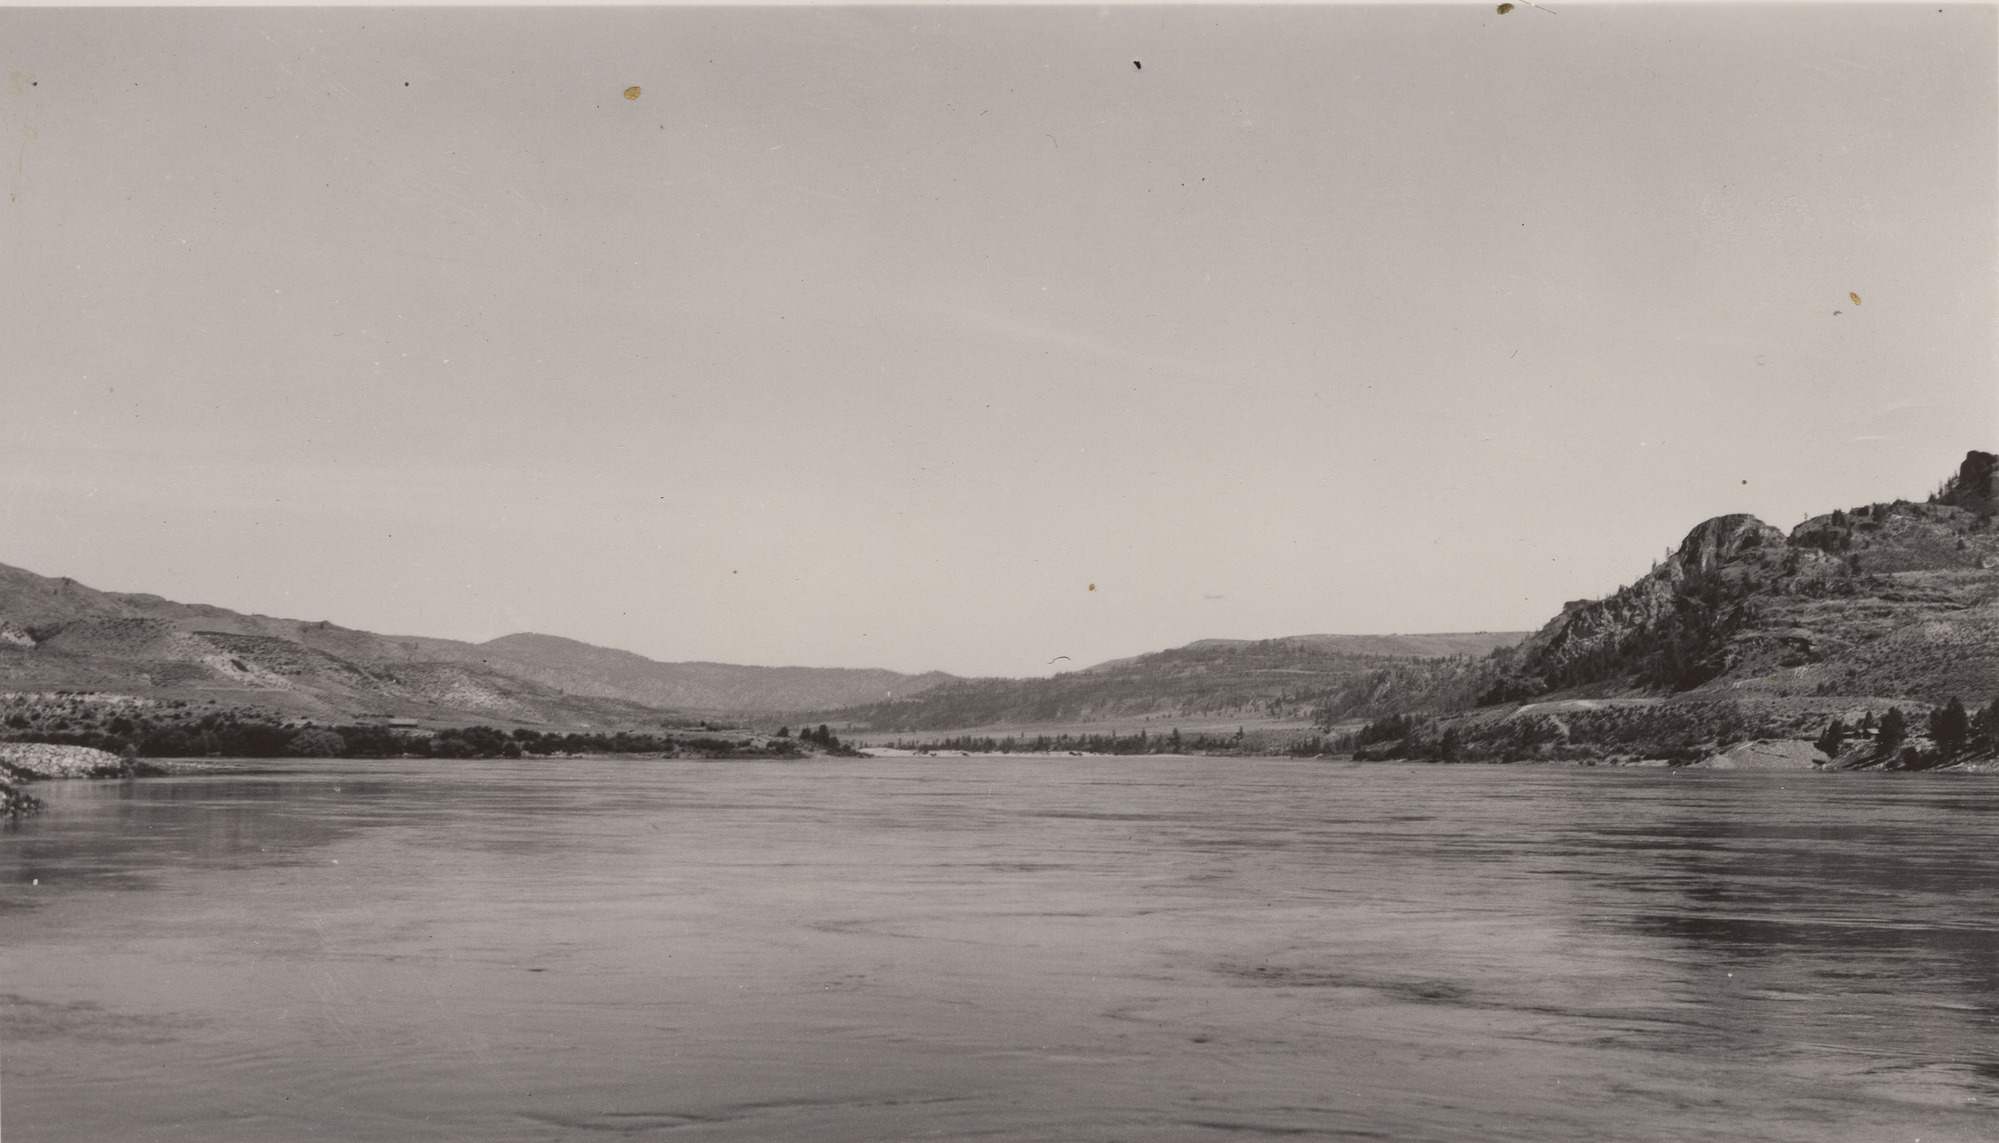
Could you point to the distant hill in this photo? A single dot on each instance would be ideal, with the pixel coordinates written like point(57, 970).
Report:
point(585, 669)
point(1265, 680)
point(1435, 646)
point(57, 634)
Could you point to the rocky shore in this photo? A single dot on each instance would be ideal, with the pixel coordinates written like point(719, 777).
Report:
point(31, 761)
point(22, 762)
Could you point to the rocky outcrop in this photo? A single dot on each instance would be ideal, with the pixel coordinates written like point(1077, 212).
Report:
point(1976, 486)
point(1891, 599)
point(1721, 541)
point(1666, 630)
point(38, 761)
point(42, 760)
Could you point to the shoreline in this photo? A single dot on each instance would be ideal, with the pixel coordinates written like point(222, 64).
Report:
point(22, 764)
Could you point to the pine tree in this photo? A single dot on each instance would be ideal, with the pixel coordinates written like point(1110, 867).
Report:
point(1894, 728)
point(1985, 727)
point(1949, 727)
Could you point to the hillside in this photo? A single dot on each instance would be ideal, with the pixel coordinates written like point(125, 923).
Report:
point(1749, 643)
point(1273, 680)
point(57, 634)
point(1893, 599)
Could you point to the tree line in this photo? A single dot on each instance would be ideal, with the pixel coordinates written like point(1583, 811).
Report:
point(1954, 733)
point(178, 729)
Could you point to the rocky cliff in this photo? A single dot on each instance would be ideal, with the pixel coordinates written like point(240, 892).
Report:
point(1893, 599)
point(1975, 488)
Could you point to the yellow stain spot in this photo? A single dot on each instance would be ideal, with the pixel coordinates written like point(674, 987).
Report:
point(1093, 587)
point(1855, 297)
point(1505, 8)
point(631, 93)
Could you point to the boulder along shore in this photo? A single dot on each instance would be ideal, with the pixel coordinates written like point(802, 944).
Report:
point(23, 762)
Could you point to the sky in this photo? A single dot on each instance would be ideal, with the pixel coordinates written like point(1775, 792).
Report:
point(964, 339)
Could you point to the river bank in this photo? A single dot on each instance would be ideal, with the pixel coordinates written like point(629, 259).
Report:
point(24, 762)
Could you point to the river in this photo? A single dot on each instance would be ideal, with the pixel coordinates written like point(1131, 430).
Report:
point(1142, 949)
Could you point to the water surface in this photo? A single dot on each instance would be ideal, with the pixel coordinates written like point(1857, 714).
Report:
point(1001, 948)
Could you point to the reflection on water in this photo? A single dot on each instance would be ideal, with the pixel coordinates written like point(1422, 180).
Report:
point(1136, 948)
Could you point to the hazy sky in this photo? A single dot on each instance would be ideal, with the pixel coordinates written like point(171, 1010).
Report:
point(876, 337)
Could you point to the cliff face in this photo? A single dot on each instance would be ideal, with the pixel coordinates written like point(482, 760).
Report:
point(1897, 600)
point(1976, 486)
point(1667, 630)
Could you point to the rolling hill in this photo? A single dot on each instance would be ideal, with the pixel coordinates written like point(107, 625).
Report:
point(1285, 681)
point(582, 668)
point(57, 634)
